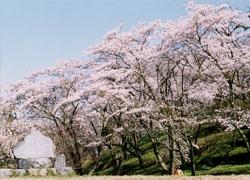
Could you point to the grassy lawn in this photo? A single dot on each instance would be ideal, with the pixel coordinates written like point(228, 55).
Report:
point(227, 170)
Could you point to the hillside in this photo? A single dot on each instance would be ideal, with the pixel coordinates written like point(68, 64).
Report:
point(220, 153)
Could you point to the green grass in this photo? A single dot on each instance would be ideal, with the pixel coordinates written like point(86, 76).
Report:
point(218, 149)
point(237, 151)
point(149, 167)
point(227, 170)
point(222, 170)
point(218, 156)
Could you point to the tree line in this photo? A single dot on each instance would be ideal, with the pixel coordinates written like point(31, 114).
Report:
point(162, 80)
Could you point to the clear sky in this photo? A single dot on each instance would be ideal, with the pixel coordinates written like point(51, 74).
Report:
point(37, 33)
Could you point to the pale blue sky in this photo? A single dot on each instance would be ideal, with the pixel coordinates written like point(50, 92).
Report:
point(37, 33)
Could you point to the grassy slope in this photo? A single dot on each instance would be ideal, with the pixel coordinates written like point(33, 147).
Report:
point(217, 156)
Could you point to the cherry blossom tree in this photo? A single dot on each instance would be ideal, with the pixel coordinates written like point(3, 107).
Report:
point(156, 80)
point(52, 98)
point(12, 131)
point(170, 70)
point(221, 35)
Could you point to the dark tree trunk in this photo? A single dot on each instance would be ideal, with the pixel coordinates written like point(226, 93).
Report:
point(197, 134)
point(234, 139)
point(159, 158)
point(77, 159)
point(76, 155)
point(139, 156)
point(191, 156)
point(117, 161)
point(77, 163)
point(124, 147)
point(245, 140)
point(172, 152)
point(181, 154)
point(137, 150)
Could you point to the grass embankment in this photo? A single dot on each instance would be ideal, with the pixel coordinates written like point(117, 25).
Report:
point(221, 153)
